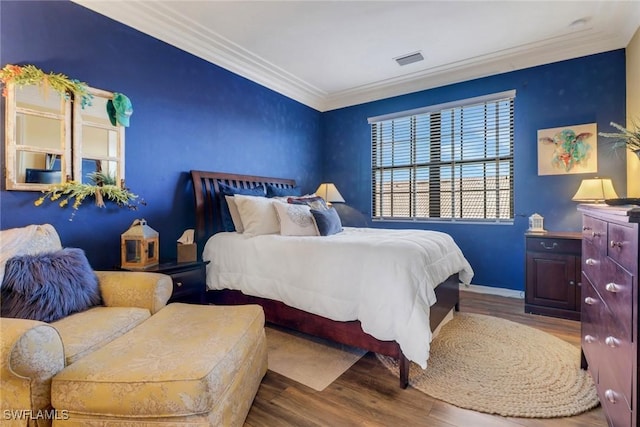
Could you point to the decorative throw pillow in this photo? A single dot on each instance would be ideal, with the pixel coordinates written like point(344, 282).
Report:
point(257, 214)
point(227, 190)
point(327, 221)
point(273, 191)
point(235, 215)
point(29, 240)
point(314, 202)
point(295, 220)
point(49, 286)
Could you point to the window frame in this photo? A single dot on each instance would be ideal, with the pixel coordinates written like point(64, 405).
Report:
point(71, 139)
point(503, 184)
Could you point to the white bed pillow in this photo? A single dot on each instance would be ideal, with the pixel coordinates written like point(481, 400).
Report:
point(235, 215)
point(257, 214)
point(295, 220)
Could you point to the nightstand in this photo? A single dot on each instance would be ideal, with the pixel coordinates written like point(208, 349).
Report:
point(553, 274)
point(189, 279)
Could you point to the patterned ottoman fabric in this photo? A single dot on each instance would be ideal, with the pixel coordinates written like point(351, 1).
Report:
point(181, 362)
point(109, 322)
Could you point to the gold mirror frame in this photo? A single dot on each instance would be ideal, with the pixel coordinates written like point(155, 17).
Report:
point(98, 145)
point(39, 140)
point(30, 110)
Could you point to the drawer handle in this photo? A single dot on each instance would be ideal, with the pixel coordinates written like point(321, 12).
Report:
point(585, 228)
point(544, 245)
point(615, 244)
point(590, 301)
point(589, 339)
point(611, 396)
point(178, 284)
point(612, 342)
point(595, 234)
point(590, 261)
point(612, 287)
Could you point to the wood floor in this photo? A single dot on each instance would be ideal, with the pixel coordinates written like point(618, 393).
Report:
point(368, 394)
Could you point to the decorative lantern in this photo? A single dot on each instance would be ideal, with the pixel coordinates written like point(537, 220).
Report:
point(536, 224)
point(139, 246)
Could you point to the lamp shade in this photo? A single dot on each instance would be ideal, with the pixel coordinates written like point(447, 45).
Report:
point(595, 190)
point(329, 192)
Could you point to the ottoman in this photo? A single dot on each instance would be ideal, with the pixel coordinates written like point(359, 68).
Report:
point(187, 365)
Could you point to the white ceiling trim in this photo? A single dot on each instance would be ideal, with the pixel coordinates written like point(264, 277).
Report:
point(169, 25)
point(576, 44)
point(163, 23)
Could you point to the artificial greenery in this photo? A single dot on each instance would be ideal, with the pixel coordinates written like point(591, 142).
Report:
point(628, 138)
point(24, 75)
point(99, 189)
point(101, 178)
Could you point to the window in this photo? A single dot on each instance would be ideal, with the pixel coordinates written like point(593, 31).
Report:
point(451, 162)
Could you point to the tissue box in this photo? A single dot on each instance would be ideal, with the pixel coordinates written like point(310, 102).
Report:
point(187, 252)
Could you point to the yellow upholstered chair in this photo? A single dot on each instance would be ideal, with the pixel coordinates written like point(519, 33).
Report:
point(32, 352)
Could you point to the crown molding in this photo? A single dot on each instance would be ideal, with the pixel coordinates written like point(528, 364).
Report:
point(574, 45)
point(168, 25)
point(165, 24)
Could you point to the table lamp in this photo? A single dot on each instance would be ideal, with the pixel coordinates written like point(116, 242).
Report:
point(329, 192)
point(595, 190)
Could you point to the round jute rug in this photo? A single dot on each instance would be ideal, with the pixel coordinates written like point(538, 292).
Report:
point(501, 367)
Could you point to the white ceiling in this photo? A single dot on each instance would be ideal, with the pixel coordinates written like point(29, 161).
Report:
point(332, 54)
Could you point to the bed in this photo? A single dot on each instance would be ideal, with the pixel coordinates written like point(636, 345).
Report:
point(319, 303)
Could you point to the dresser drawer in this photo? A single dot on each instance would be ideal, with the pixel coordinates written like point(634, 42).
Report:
point(188, 284)
point(553, 245)
point(591, 339)
point(615, 368)
point(621, 246)
point(187, 278)
point(617, 412)
point(595, 231)
point(614, 397)
point(592, 259)
point(615, 286)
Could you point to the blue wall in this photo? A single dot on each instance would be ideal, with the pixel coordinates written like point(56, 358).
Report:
point(584, 90)
point(188, 114)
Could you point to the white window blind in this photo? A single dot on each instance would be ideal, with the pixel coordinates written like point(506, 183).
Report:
point(448, 162)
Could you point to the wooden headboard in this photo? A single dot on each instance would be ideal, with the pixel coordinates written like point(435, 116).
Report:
point(206, 186)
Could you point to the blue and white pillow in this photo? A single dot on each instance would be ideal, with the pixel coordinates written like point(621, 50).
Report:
point(295, 220)
point(314, 202)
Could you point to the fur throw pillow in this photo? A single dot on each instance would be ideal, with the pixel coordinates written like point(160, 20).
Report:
point(48, 286)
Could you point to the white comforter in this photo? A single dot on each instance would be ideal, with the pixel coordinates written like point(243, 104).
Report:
point(383, 278)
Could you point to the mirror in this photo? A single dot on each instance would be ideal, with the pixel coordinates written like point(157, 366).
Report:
point(98, 145)
point(38, 137)
point(41, 149)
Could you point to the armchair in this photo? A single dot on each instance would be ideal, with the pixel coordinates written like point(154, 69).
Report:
point(32, 352)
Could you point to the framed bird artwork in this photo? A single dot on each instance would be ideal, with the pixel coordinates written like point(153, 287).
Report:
point(568, 150)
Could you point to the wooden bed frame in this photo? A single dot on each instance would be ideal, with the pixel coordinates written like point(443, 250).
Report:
point(208, 222)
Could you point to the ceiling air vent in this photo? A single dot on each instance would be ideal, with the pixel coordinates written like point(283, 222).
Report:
point(409, 58)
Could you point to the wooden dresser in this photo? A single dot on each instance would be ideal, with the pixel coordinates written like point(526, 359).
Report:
point(610, 307)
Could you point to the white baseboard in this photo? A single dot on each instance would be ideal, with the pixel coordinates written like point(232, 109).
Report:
point(503, 292)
